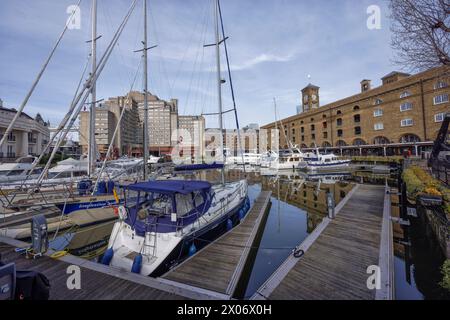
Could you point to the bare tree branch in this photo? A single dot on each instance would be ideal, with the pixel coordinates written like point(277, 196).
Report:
point(421, 33)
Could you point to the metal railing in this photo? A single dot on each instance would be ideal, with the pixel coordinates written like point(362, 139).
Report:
point(440, 156)
point(386, 256)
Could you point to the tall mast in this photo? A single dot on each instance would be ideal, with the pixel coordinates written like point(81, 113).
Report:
point(145, 93)
point(92, 156)
point(219, 83)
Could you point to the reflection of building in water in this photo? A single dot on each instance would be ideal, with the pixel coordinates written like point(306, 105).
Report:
point(307, 195)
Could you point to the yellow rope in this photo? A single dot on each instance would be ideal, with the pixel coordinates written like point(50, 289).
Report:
point(59, 254)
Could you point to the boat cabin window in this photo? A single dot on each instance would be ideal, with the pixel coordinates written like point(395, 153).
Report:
point(184, 203)
point(59, 175)
point(79, 173)
point(3, 173)
point(15, 173)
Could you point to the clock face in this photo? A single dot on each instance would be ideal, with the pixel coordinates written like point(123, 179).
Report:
point(314, 97)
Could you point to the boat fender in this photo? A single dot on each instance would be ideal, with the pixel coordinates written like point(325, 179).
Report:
point(241, 214)
point(107, 257)
point(230, 223)
point(192, 249)
point(137, 264)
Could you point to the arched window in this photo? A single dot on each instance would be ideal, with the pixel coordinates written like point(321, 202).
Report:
point(378, 101)
point(326, 144)
point(357, 130)
point(359, 142)
point(357, 118)
point(339, 122)
point(304, 146)
point(338, 112)
point(440, 84)
point(409, 138)
point(355, 108)
point(381, 140)
point(313, 145)
point(340, 133)
point(405, 94)
point(341, 143)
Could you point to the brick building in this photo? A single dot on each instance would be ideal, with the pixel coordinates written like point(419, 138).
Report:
point(406, 111)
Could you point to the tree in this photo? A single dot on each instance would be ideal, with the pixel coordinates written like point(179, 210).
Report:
point(421, 33)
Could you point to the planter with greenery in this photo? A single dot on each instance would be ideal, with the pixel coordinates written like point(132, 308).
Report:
point(423, 187)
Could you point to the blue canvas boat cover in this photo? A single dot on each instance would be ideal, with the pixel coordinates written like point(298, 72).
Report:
point(195, 167)
point(171, 186)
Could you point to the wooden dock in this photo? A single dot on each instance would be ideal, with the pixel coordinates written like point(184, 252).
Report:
point(98, 282)
point(223, 266)
point(338, 253)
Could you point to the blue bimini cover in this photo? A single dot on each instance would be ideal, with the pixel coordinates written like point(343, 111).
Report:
point(171, 186)
point(196, 167)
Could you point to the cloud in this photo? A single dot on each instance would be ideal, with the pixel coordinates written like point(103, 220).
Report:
point(262, 58)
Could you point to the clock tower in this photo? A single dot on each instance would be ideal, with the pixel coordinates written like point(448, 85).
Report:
point(310, 97)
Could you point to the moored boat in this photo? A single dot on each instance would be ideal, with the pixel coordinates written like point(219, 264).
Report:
point(163, 221)
point(324, 162)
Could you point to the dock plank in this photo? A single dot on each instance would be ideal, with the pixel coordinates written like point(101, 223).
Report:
point(94, 285)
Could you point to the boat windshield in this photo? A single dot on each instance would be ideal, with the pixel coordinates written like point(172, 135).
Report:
point(59, 175)
point(15, 173)
point(153, 204)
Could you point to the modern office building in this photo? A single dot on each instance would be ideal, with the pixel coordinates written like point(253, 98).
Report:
point(105, 123)
point(163, 123)
point(405, 111)
point(194, 126)
point(28, 137)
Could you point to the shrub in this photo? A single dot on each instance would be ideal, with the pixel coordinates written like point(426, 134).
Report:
point(445, 271)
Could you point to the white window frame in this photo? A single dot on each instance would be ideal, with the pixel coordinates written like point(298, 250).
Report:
point(440, 85)
point(376, 111)
point(409, 104)
point(378, 126)
point(407, 122)
point(441, 115)
point(441, 98)
point(405, 94)
point(378, 101)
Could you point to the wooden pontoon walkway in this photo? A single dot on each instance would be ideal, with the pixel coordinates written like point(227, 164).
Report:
point(219, 266)
point(98, 282)
point(338, 253)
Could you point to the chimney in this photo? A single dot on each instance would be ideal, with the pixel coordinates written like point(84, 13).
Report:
point(365, 85)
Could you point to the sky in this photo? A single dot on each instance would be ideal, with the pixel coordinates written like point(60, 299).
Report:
point(276, 47)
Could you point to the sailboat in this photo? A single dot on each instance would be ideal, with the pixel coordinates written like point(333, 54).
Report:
point(164, 221)
point(286, 159)
point(72, 189)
